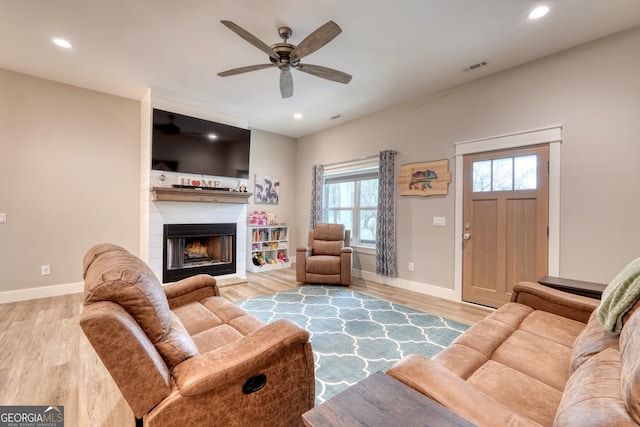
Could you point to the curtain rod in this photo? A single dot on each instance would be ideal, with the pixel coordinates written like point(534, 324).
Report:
point(345, 162)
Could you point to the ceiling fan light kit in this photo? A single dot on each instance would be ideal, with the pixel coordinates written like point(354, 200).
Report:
point(286, 56)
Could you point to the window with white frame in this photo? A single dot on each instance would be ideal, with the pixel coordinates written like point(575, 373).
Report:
point(351, 198)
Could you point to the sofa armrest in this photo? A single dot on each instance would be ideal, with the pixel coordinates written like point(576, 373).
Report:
point(238, 359)
point(191, 289)
point(304, 251)
point(564, 304)
point(443, 386)
point(345, 265)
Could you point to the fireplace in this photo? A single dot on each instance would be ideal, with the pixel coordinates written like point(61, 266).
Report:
point(191, 249)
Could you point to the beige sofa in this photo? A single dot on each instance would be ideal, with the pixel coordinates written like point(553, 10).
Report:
point(543, 359)
point(182, 355)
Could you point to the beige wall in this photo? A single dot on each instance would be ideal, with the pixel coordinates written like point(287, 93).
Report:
point(275, 155)
point(593, 91)
point(69, 178)
point(70, 164)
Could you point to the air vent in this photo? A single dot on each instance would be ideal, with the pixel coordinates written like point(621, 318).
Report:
point(476, 66)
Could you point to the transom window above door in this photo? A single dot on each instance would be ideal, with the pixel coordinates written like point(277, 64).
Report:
point(506, 174)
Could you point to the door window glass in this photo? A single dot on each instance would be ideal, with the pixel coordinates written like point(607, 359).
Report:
point(506, 174)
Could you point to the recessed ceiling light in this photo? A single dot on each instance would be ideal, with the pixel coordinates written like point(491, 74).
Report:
point(538, 12)
point(297, 116)
point(63, 43)
point(212, 136)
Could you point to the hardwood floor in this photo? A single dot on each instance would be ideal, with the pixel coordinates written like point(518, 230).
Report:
point(46, 360)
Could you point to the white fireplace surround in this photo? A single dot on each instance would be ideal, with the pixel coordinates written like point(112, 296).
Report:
point(161, 213)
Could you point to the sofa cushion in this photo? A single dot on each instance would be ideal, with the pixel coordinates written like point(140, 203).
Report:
point(96, 251)
point(592, 396)
point(476, 346)
point(121, 277)
point(329, 232)
point(630, 350)
point(526, 352)
point(215, 322)
point(559, 329)
point(328, 239)
point(519, 392)
point(323, 264)
point(592, 340)
point(327, 247)
point(177, 345)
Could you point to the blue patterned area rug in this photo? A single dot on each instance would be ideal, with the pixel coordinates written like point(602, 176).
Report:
point(354, 335)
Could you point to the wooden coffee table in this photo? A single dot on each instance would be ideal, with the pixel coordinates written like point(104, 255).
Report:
point(383, 401)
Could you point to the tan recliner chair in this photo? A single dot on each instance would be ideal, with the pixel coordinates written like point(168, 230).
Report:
point(184, 356)
point(327, 258)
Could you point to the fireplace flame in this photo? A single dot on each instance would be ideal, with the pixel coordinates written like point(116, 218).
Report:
point(195, 250)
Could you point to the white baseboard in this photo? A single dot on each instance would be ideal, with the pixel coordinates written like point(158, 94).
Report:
point(423, 288)
point(72, 288)
point(42, 292)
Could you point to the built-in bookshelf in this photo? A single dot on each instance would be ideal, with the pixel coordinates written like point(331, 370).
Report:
point(265, 243)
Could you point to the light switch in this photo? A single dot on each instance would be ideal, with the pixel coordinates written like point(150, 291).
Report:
point(3, 218)
point(439, 221)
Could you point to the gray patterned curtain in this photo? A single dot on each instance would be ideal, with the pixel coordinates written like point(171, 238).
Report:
point(386, 224)
point(317, 181)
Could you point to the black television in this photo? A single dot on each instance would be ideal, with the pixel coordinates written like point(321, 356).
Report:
point(186, 144)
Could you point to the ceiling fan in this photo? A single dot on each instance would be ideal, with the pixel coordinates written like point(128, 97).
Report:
point(170, 128)
point(286, 56)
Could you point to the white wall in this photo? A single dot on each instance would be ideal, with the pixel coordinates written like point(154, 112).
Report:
point(275, 155)
point(593, 91)
point(69, 173)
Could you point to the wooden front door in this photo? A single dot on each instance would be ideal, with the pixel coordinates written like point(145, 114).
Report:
point(506, 218)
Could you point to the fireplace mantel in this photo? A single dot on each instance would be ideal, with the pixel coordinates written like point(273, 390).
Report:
point(170, 194)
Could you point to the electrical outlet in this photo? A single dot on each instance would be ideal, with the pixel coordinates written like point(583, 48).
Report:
point(410, 266)
point(3, 218)
point(45, 270)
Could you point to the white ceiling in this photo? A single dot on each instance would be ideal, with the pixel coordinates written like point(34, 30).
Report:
point(395, 50)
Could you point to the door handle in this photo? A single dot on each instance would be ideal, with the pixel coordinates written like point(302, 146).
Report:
point(466, 236)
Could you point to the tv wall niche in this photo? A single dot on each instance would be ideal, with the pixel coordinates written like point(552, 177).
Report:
point(191, 145)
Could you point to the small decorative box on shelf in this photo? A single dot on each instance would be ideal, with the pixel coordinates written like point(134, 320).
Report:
point(269, 246)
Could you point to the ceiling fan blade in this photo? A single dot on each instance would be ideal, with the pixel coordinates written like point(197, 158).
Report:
point(286, 83)
point(251, 39)
point(325, 73)
point(316, 40)
point(245, 69)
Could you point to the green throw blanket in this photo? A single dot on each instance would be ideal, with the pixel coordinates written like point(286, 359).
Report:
point(618, 298)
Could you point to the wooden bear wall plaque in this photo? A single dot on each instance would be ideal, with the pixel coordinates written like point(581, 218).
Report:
point(425, 178)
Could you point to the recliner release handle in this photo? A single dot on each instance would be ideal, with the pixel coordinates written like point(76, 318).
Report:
point(254, 384)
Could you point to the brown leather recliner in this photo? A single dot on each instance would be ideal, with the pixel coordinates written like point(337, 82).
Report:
point(183, 355)
point(327, 258)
